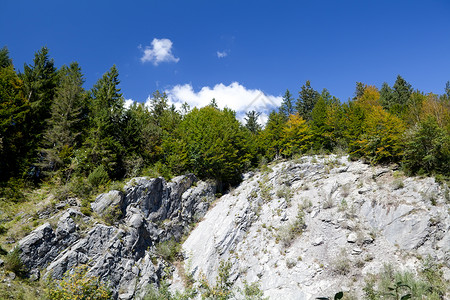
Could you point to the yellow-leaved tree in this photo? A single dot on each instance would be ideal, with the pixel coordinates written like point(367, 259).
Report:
point(381, 141)
point(297, 136)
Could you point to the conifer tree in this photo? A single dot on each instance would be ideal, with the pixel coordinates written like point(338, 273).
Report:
point(103, 145)
point(287, 106)
point(359, 90)
point(251, 121)
point(401, 94)
point(306, 101)
point(39, 85)
point(13, 112)
point(5, 60)
point(272, 136)
point(68, 113)
point(386, 96)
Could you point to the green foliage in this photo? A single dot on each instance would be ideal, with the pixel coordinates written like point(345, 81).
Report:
point(168, 250)
point(222, 289)
point(382, 140)
point(98, 176)
point(404, 285)
point(251, 122)
point(253, 291)
point(287, 106)
point(14, 110)
point(5, 60)
point(39, 86)
point(307, 99)
point(13, 263)
point(427, 149)
point(287, 234)
point(103, 144)
point(68, 113)
point(211, 143)
point(78, 285)
point(296, 136)
point(272, 135)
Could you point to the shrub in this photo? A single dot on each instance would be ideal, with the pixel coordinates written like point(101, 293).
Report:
point(78, 285)
point(222, 289)
point(13, 263)
point(98, 177)
point(168, 250)
point(287, 234)
point(112, 214)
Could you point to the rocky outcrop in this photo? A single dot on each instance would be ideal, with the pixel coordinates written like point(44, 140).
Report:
point(123, 254)
point(356, 219)
point(302, 229)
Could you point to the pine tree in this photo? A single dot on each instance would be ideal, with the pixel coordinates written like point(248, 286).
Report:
point(13, 112)
point(402, 91)
point(359, 90)
point(251, 122)
point(447, 90)
point(68, 113)
point(386, 96)
point(287, 106)
point(103, 145)
point(5, 60)
point(39, 85)
point(272, 135)
point(306, 101)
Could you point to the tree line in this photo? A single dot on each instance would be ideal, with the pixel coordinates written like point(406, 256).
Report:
point(53, 129)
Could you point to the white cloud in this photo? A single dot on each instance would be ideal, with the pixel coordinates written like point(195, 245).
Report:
point(159, 51)
point(222, 54)
point(234, 96)
point(127, 103)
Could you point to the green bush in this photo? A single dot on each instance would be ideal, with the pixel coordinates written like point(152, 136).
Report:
point(13, 263)
point(77, 285)
point(98, 177)
point(168, 250)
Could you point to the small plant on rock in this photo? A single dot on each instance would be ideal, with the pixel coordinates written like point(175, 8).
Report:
point(78, 285)
point(13, 263)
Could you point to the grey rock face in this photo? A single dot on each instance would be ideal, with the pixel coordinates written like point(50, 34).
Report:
point(108, 200)
point(353, 213)
point(287, 228)
point(42, 245)
point(124, 255)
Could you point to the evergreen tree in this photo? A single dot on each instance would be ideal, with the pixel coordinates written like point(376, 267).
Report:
point(68, 113)
point(359, 90)
point(402, 90)
point(39, 85)
point(319, 125)
point(251, 121)
point(272, 136)
point(447, 90)
point(102, 146)
point(5, 60)
point(306, 101)
point(13, 112)
point(287, 106)
point(158, 105)
point(386, 96)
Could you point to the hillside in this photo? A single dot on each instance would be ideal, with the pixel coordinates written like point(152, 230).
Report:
point(297, 229)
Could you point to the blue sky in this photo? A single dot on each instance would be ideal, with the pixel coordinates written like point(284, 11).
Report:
point(235, 50)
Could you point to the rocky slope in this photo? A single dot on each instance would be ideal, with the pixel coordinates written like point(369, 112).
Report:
point(148, 212)
point(300, 229)
point(353, 219)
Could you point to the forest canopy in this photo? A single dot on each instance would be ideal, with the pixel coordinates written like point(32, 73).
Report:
point(53, 129)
